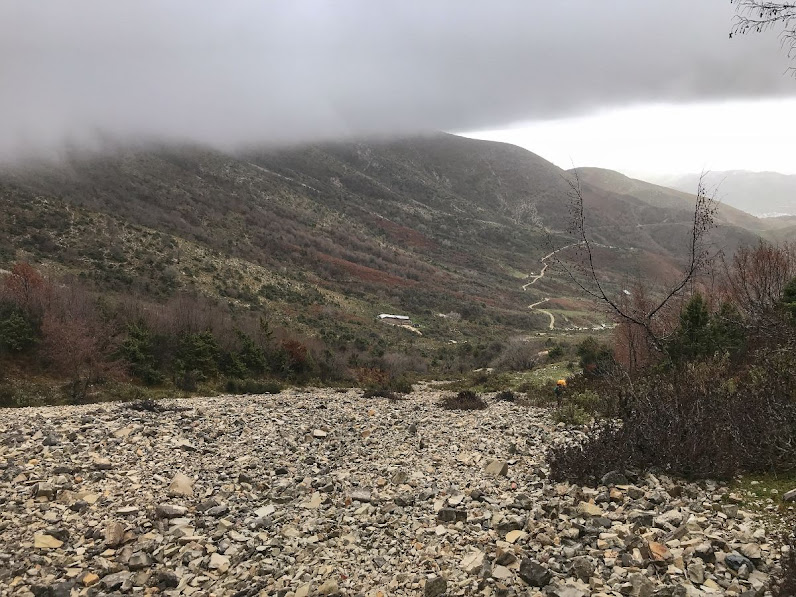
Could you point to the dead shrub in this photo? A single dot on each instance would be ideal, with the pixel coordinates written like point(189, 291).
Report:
point(701, 421)
point(506, 396)
point(517, 355)
point(464, 400)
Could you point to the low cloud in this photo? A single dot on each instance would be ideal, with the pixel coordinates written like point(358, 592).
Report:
point(243, 72)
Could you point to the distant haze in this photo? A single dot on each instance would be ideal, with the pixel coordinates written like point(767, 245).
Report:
point(84, 73)
point(757, 193)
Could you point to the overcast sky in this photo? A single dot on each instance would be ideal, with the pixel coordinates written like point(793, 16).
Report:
point(243, 72)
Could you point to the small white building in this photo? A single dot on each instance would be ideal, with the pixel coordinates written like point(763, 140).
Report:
point(395, 319)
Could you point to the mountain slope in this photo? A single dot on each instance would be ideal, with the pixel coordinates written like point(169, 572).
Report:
point(328, 236)
point(665, 197)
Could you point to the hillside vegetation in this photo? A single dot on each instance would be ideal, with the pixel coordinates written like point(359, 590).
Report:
point(317, 241)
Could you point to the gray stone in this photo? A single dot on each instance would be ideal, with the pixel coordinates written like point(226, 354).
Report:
point(181, 486)
point(583, 568)
point(734, 561)
point(534, 573)
point(170, 511)
point(696, 572)
point(329, 587)
point(218, 563)
point(113, 582)
point(139, 561)
point(613, 478)
point(642, 518)
point(45, 490)
point(52, 439)
point(114, 534)
point(451, 515)
point(704, 551)
point(361, 495)
point(435, 586)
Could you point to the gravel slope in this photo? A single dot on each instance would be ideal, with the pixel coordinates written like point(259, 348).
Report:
point(318, 492)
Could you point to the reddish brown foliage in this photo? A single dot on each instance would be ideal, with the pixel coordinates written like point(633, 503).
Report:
point(403, 235)
point(364, 273)
point(26, 287)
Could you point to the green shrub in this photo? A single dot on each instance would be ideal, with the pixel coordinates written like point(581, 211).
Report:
point(138, 350)
point(382, 393)
point(252, 386)
point(251, 356)
point(187, 381)
point(17, 332)
point(702, 334)
point(198, 356)
point(231, 364)
point(570, 413)
point(595, 359)
point(400, 384)
point(578, 408)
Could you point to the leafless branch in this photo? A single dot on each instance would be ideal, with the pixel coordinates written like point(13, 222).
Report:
point(756, 16)
point(698, 258)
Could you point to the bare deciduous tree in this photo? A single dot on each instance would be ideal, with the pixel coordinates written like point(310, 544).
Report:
point(590, 282)
point(756, 279)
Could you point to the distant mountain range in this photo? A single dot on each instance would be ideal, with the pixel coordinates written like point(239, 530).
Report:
point(763, 194)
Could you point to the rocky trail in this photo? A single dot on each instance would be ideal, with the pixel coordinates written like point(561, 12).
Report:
point(323, 492)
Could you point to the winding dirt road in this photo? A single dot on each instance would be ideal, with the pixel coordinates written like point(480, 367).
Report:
point(536, 277)
point(546, 312)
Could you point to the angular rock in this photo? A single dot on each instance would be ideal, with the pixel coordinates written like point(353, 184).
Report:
point(497, 468)
point(735, 561)
point(43, 541)
point(589, 509)
point(45, 490)
point(613, 478)
point(696, 572)
point(534, 573)
point(658, 552)
point(218, 563)
point(472, 562)
point(361, 495)
point(170, 511)
point(113, 582)
point(114, 534)
point(435, 586)
point(583, 568)
point(181, 486)
point(329, 587)
point(139, 561)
